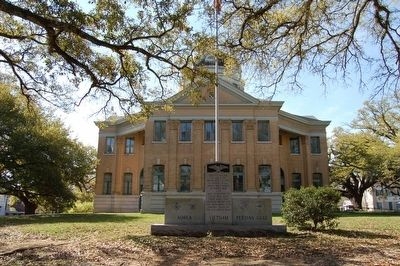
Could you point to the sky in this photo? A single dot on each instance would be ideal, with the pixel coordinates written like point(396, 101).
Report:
point(336, 103)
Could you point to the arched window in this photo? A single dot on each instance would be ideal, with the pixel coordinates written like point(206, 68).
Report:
point(158, 178)
point(185, 173)
point(141, 180)
point(264, 173)
point(317, 179)
point(127, 190)
point(238, 178)
point(283, 187)
point(296, 180)
point(107, 181)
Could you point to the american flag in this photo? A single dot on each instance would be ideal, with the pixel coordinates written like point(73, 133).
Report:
point(217, 5)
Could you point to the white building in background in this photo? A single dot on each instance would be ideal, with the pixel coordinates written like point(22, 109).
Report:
point(3, 204)
point(377, 198)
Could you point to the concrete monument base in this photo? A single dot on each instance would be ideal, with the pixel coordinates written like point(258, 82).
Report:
point(216, 230)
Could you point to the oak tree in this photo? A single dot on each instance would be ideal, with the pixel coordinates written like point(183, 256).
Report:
point(65, 52)
point(330, 38)
point(130, 50)
point(39, 162)
point(359, 160)
point(381, 117)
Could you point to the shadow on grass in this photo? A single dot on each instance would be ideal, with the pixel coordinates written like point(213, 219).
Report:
point(368, 214)
point(289, 248)
point(187, 242)
point(356, 234)
point(68, 218)
point(292, 248)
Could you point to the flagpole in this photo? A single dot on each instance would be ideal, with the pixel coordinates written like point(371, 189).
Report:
point(216, 100)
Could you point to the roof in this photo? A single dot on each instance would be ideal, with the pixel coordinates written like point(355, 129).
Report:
point(309, 120)
point(230, 94)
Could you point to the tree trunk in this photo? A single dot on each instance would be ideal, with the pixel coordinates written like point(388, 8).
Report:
point(30, 207)
point(358, 201)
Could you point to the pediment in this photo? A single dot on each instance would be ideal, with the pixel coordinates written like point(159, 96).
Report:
point(228, 94)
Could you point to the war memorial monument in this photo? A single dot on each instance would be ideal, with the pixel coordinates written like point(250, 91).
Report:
point(217, 213)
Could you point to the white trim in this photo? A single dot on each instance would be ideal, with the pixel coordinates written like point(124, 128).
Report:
point(107, 134)
point(223, 117)
point(265, 118)
point(293, 130)
point(131, 129)
point(121, 132)
point(159, 118)
point(303, 133)
point(305, 119)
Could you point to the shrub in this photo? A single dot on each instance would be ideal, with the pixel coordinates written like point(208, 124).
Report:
point(82, 207)
point(311, 208)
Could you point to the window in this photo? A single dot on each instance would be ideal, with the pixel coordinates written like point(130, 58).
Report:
point(159, 131)
point(107, 183)
point(379, 192)
point(379, 205)
point(141, 181)
point(209, 131)
point(296, 180)
point(264, 172)
point(317, 179)
point(238, 178)
point(127, 184)
point(185, 131)
point(129, 145)
point(158, 178)
point(295, 145)
point(110, 145)
point(263, 130)
point(315, 145)
point(283, 187)
point(237, 131)
point(185, 171)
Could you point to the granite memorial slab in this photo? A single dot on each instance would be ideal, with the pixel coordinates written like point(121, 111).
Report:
point(251, 211)
point(184, 211)
point(218, 188)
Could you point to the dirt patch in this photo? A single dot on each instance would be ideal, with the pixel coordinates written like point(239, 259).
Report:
point(292, 249)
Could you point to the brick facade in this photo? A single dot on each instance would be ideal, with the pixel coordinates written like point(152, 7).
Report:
point(287, 154)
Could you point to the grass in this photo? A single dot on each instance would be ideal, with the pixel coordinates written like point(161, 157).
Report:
point(117, 239)
point(65, 226)
point(114, 226)
point(384, 221)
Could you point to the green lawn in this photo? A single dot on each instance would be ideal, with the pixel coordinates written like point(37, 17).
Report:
point(64, 226)
point(114, 226)
point(111, 239)
point(370, 221)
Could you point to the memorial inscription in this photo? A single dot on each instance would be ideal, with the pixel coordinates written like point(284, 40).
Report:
point(252, 211)
point(184, 211)
point(218, 188)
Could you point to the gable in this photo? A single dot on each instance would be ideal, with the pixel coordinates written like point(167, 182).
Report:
point(228, 94)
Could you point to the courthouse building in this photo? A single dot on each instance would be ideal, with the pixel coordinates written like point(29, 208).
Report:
point(268, 150)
